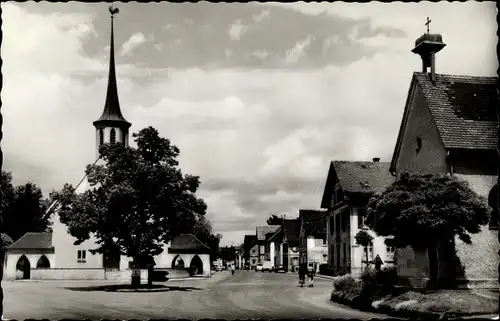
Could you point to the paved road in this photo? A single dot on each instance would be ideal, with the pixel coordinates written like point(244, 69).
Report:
point(247, 294)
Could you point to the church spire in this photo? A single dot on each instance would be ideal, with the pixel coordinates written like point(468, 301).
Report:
point(112, 112)
point(112, 127)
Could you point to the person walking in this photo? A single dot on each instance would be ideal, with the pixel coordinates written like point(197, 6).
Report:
point(232, 269)
point(311, 271)
point(302, 274)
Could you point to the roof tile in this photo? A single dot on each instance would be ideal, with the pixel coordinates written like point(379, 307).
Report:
point(363, 177)
point(33, 241)
point(463, 108)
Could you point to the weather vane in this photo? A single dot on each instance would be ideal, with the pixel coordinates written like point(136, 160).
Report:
point(113, 10)
point(427, 23)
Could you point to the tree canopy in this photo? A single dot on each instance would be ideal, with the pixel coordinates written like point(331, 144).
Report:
point(203, 231)
point(424, 210)
point(139, 199)
point(274, 220)
point(419, 209)
point(23, 208)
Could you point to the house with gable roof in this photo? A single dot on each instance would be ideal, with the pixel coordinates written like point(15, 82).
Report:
point(450, 126)
point(263, 234)
point(349, 186)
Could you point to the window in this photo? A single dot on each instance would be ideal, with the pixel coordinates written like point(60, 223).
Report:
point(82, 256)
point(337, 223)
point(361, 217)
point(112, 136)
point(369, 249)
point(344, 259)
point(318, 242)
point(332, 225)
point(262, 249)
point(101, 137)
point(390, 250)
point(344, 221)
point(338, 254)
point(419, 145)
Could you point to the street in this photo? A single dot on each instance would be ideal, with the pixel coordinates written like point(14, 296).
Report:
point(247, 294)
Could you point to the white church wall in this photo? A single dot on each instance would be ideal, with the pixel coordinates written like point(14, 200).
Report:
point(66, 253)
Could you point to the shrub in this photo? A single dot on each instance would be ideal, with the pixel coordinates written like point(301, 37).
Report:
point(344, 283)
point(387, 278)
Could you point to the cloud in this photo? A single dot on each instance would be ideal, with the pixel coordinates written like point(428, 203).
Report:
point(259, 133)
point(130, 45)
point(237, 30)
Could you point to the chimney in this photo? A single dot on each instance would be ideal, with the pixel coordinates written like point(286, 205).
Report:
point(376, 159)
point(426, 46)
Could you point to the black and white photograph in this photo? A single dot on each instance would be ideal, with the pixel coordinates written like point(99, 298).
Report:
point(254, 160)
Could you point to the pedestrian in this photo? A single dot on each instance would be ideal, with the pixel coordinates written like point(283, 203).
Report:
point(311, 269)
point(232, 269)
point(302, 274)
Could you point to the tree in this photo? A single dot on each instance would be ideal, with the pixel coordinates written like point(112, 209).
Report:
point(138, 201)
point(203, 231)
point(274, 220)
point(364, 239)
point(423, 210)
point(23, 208)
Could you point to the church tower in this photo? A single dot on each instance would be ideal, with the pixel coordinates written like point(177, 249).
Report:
point(111, 127)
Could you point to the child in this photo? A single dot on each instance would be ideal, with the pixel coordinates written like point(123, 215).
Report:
point(311, 271)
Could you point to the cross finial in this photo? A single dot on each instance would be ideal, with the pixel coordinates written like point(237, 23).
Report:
point(428, 23)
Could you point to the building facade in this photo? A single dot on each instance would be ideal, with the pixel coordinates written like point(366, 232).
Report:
point(348, 188)
point(449, 126)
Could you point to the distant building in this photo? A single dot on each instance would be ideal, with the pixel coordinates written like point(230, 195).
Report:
point(349, 186)
point(312, 237)
point(250, 251)
point(449, 126)
point(263, 233)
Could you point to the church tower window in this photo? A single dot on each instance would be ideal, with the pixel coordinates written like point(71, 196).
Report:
point(101, 137)
point(112, 136)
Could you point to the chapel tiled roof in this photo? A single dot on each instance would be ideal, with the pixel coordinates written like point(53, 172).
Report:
point(187, 242)
point(463, 108)
point(314, 222)
point(262, 230)
point(33, 241)
point(363, 177)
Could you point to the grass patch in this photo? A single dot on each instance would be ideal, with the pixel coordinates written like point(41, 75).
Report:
point(457, 302)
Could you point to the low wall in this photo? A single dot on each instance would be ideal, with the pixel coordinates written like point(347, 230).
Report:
point(99, 274)
point(67, 274)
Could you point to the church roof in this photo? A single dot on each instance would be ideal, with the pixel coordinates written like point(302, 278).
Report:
point(112, 113)
point(187, 242)
point(463, 108)
point(33, 241)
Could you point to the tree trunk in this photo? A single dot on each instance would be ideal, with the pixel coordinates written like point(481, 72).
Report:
point(136, 274)
point(433, 265)
point(150, 275)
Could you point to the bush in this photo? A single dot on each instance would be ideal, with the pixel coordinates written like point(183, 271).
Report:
point(344, 283)
point(388, 278)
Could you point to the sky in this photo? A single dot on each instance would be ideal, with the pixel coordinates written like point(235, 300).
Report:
point(259, 97)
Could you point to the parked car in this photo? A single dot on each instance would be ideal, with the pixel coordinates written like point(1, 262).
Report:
point(267, 266)
point(279, 269)
point(258, 267)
